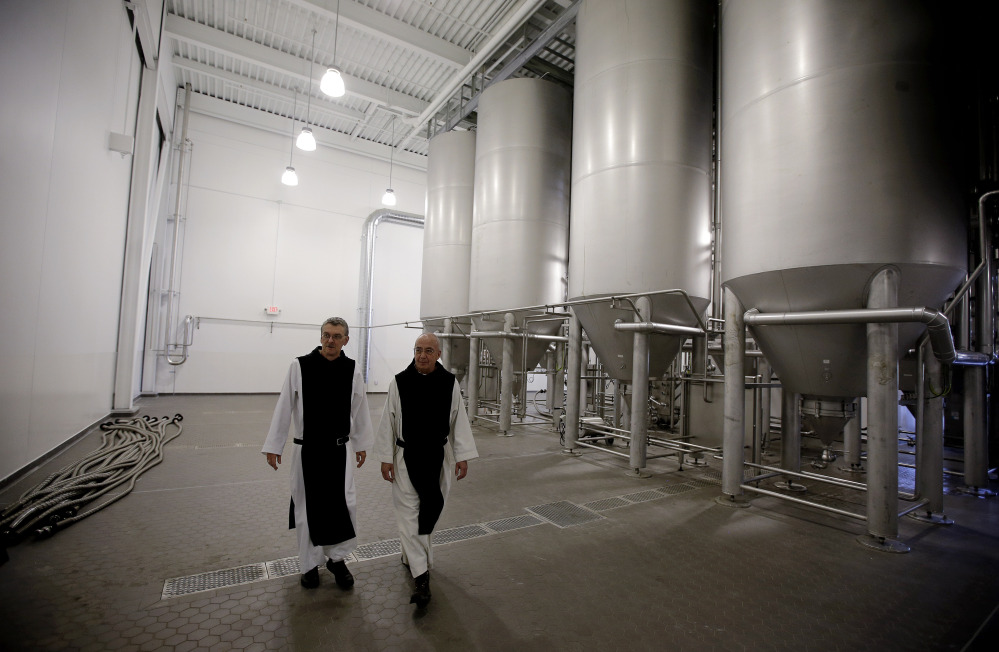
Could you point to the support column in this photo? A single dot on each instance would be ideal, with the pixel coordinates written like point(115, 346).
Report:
point(790, 438)
point(882, 419)
point(733, 439)
point(473, 378)
point(572, 383)
point(930, 446)
point(550, 392)
point(852, 447)
point(766, 395)
point(506, 378)
point(446, 346)
point(640, 391)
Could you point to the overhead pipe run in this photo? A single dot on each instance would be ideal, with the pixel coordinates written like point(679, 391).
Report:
point(366, 289)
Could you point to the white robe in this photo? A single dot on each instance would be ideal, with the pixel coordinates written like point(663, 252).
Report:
point(417, 550)
point(289, 412)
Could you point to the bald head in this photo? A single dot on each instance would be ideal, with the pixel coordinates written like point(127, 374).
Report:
point(426, 352)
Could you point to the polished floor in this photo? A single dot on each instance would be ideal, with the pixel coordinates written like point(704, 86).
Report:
point(539, 551)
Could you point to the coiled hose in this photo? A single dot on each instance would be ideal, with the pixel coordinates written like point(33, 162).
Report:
point(128, 448)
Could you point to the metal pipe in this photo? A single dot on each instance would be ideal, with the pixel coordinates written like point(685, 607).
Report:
point(368, 236)
point(734, 455)
point(790, 432)
point(446, 350)
point(825, 508)
point(851, 442)
point(506, 377)
point(175, 244)
point(839, 482)
point(640, 387)
point(929, 440)
point(652, 327)
point(473, 379)
point(937, 325)
point(882, 408)
point(572, 406)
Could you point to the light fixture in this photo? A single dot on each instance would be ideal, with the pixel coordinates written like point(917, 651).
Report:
point(332, 82)
point(290, 177)
point(388, 199)
point(306, 141)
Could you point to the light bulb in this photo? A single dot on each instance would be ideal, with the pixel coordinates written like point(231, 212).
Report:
point(306, 141)
point(388, 199)
point(332, 83)
point(290, 177)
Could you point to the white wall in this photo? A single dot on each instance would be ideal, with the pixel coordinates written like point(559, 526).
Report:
point(248, 242)
point(70, 77)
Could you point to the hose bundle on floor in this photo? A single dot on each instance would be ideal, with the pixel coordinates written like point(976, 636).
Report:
point(128, 448)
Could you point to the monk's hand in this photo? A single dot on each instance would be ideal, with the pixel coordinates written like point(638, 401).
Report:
point(461, 469)
point(388, 471)
point(360, 458)
point(273, 460)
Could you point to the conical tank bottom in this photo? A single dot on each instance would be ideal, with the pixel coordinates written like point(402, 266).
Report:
point(535, 348)
point(615, 349)
point(457, 347)
point(826, 418)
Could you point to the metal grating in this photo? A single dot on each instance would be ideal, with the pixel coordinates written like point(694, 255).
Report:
point(674, 489)
point(564, 514)
point(459, 534)
point(213, 580)
point(513, 523)
point(606, 503)
point(697, 483)
point(283, 567)
point(643, 496)
point(378, 549)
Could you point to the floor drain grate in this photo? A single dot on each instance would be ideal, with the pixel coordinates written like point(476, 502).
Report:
point(378, 549)
point(513, 523)
point(606, 503)
point(213, 580)
point(698, 483)
point(564, 514)
point(643, 496)
point(459, 534)
point(283, 567)
point(674, 489)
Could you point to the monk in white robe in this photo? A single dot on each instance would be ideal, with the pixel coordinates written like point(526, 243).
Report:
point(423, 434)
point(324, 399)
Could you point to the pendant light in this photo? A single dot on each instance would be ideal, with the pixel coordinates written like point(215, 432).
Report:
point(290, 177)
point(388, 199)
point(332, 82)
point(306, 141)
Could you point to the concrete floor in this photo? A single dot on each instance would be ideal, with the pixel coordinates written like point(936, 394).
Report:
point(651, 564)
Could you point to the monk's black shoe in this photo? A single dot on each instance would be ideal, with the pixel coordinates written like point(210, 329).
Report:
point(422, 596)
point(310, 580)
point(341, 574)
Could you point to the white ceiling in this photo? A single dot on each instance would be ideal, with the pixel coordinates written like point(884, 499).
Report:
point(412, 68)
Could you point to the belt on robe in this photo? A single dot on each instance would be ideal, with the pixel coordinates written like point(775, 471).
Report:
point(339, 442)
point(401, 444)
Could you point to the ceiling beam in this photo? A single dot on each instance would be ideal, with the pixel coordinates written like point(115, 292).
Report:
point(386, 28)
point(188, 31)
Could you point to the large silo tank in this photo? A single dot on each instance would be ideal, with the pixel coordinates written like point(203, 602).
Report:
point(641, 168)
point(447, 237)
point(520, 227)
point(837, 159)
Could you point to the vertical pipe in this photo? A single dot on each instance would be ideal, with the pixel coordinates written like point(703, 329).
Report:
point(929, 440)
point(882, 411)
point(175, 243)
point(733, 453)
point(550, 393)
point(851, 443)
point(473, 378)
point(976, 448)
point(790, 431)
point(616, 419)
point(572, 382)
point(506, 377)
point(446, 346)
point(640, 388)
point(557, 390)
point(765, 397)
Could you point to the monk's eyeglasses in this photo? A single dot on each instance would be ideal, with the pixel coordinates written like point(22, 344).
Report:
point(333, 336)
point(429, 350)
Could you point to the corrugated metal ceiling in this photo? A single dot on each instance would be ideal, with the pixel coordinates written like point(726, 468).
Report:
point(407, 63)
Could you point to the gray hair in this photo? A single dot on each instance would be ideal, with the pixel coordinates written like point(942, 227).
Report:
point(336, 321)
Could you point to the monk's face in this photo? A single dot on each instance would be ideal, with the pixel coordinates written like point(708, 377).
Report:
point(333, 339)
point(426, 353)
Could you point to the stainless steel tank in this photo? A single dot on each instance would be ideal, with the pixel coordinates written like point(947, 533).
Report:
point(837, 160)
point(641, 168)
point(520, 226)
point(447, 238)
